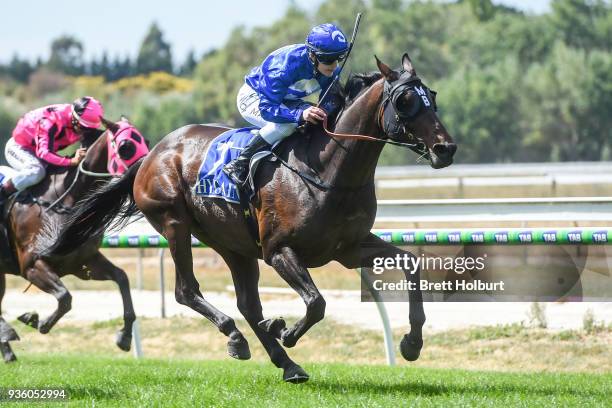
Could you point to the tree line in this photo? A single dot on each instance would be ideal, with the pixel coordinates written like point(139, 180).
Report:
point(67, 57)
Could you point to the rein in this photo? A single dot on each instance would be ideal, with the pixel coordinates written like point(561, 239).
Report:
point(368, 138)
point(80, 169)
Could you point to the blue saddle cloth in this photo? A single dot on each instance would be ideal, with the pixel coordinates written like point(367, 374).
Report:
point(212, 182)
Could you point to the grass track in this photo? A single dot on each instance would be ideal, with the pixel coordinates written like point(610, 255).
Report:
point(121, 382)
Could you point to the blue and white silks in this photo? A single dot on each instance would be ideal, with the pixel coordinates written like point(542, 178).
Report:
point(284, 78)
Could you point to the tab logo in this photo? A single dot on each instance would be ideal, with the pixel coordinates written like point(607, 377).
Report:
point(501, 237)
point(409, 237)
point(525, 236)
point(477, 237)
point(550, 236)
point(600, 236)
point(431, 237)
point(574, 236)
point(153, 240)
point(113, 241)
point(454, 237)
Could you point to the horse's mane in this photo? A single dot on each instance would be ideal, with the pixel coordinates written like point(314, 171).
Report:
point(343, 97)
point(356, 84)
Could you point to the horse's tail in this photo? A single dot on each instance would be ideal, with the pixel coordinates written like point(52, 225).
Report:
point(108, 207)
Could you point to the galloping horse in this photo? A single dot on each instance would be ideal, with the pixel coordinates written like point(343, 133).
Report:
point(51, 200)
point(301, 223)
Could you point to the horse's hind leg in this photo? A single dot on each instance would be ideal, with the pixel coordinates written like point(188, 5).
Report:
point(187, 290)
point(286, 263)
point(44, 278)
point(103, 269)
point(245, 273)
point(7, 333)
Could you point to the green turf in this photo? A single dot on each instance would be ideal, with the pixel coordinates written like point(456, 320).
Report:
point(100, 382)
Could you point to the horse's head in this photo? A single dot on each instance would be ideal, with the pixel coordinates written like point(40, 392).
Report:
point(408, 114)
point(121, 146)
point(125, 145)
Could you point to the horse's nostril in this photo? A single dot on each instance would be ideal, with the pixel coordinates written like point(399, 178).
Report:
point(444, 149)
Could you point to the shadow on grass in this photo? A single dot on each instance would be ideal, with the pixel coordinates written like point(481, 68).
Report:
point(433, 387)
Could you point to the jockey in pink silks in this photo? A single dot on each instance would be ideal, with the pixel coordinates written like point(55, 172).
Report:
point(40, 134)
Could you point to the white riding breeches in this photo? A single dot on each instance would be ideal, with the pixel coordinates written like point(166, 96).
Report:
point(30, 169)
point(248, 106)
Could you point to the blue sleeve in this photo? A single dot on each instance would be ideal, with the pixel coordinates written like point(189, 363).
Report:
point(271, 97)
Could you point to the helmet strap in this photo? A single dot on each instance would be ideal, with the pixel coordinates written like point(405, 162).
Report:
point(313, 58)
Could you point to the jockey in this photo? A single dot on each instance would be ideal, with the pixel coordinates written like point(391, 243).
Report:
point(40, 134)
point(271, 97)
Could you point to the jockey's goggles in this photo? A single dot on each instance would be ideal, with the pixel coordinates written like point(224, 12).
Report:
point(329, 59)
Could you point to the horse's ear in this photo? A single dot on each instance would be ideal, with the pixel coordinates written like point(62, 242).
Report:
point(389, 74)
point(407, 64)
point(112, 126)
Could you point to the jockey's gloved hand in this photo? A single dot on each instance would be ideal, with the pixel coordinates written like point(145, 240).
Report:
point(314, 114)
point(79, 155)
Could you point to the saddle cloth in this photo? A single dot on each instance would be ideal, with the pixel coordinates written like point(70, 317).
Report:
point(212, 182)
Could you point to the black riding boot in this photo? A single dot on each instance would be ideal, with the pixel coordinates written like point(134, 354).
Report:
point(6, 190)
point(238, 169)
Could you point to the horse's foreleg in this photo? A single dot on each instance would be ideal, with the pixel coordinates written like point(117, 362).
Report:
point(7, 333)
point(44, 278)
point(103, 269)
point(187, 290)
point(412, 342)
point(245, 273)
point(286, 263)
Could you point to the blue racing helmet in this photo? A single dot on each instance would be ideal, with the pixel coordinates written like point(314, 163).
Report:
point(328, 43)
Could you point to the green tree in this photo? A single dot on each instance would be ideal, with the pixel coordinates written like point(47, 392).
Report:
point(583, 23)
point(155, 53)
point(20, 70)
point(482, 9)
point(189, 65)
point(566, 105)
point(66, 56)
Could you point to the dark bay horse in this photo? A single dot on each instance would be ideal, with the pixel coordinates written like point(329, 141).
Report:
point(25, 219)
point(301, 224)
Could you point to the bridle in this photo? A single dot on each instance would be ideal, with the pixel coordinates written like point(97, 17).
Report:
point(392, 120)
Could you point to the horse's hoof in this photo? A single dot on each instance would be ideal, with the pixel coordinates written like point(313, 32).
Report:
point(7, 333)
point(274, 327)
point(287, 339)
point(295, 375)
point(44, 328)
point(410, 348)
point(123, 340)
point(29, 319)
point(7, 353)
point(11, 358)
point(239, 349)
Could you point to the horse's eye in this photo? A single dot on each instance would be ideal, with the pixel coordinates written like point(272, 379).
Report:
point(408, 104)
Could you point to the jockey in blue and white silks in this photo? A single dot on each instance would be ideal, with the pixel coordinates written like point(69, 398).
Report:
point(271, 97)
